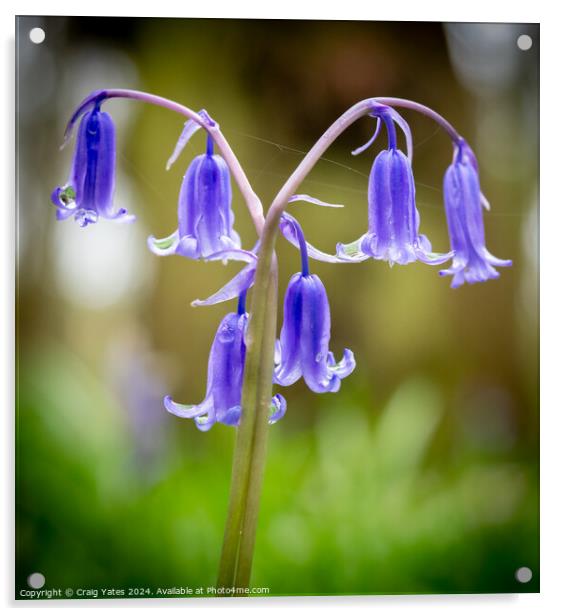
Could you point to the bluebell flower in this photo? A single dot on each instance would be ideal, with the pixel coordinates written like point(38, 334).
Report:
point(303, 347)
point(394, 220)
point(205, 217)
point(88, 193)
point(463, 206)
point(225, 374)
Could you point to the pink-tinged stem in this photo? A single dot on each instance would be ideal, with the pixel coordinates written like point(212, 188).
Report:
point(408, 104)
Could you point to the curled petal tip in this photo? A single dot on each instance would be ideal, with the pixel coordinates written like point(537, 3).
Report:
point(433, 258)
point(64, 198)
point(351, 253)
point(180, 410)
point(121, 215)
point(277, 409)
point(345, 367)
point(164, 246)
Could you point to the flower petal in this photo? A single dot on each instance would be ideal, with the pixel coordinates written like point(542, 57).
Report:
point(352, 253)
point(241, 282)
point(99, 180)
point(288, 368)
point(232, 416)
point(424, 253)
point(204, 422)
point(495, 261)
point(63, 214)
point(315, 337)
point(277, 408)
point(189, 411)
point(85, 217)
point(64, 197)
point(164, 246)
point(226, 368)
point(121, 215)
point(343, 368)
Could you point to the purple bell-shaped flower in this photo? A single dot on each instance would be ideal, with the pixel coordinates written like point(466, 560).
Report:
point(303, 347)
point(225, 374)
point(394, 220)
point(88, 193)
point(205, 217)
point(463, 206)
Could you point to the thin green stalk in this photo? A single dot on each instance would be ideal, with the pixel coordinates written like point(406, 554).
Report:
point(264, 371)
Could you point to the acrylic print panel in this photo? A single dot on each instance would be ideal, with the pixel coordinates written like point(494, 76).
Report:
point(388, 441)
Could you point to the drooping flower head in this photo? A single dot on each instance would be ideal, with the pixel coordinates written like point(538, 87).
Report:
point(88, 193)
point(205, 217)
point(303, 348)
point(463, 206)
point(394, 220)
point(225, 374)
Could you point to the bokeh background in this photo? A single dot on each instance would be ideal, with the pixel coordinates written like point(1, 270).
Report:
point(421, 475)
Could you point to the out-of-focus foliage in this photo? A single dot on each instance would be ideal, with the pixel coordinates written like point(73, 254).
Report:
point(420, 475)
point(355, 506)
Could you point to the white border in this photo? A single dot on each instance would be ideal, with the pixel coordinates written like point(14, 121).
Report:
point(551, 309)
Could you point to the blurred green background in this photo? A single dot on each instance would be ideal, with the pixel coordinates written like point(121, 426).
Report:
point(421, 475)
